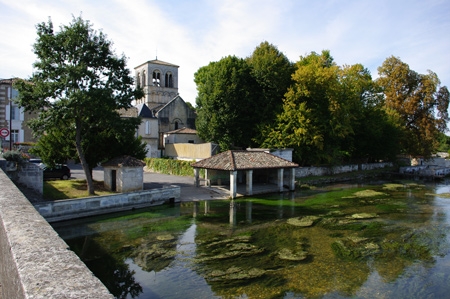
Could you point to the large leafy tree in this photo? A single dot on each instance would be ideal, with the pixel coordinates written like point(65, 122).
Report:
point(373, 135)
point(417, 102)
point(227, 103)
point(273, 72)
point(313, 118)
point(331, 114)
point(78, 86)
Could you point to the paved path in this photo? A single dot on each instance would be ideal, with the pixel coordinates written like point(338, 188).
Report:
point(157, 180)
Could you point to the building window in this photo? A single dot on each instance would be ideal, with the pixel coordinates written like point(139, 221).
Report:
point(176, 125)
point(169, 80)
point(143, 79)
point(191, 141)
point(14, 136)
point(15, 113)
point(138, 80)
point(147, 128)
point(156, 78)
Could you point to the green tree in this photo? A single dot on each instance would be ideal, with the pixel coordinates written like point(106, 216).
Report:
point(417, 102)
point(444, 143)
point(373, 135)
point(332, 114)
point(273, 72)
point(227, 103)
point(78, 86)
point(313, 118)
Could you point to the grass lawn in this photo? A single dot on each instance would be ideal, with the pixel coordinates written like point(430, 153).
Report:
point(66, 189)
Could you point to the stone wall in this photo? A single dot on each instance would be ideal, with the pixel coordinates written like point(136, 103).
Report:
point(27, 174)
point(189, 151)
point(322, 171)
point(35, 261)
point(67, 209)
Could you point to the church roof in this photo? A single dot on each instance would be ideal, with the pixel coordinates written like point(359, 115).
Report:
point(170, 102)
point(182, 131)
point(144, 111)
point(156, 61)
point(243, 160)
point(130, 112)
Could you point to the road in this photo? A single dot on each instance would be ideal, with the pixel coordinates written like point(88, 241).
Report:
point(157, 180)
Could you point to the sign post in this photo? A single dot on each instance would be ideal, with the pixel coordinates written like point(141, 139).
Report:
point(4, 132)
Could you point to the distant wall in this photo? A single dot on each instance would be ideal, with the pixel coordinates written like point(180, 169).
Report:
point(321, 171)
point(35, 261)
point(82, 207)
point(189, 151)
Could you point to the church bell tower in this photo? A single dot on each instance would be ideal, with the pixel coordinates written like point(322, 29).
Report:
point(159, 81)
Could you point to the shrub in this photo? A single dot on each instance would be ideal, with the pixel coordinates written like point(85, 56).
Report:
point(15, 156)
point(170, 166)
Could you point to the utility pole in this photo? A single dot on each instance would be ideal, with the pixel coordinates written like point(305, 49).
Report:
point(10, 115)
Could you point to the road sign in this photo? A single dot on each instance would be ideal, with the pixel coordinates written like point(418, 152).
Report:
point(4, 132)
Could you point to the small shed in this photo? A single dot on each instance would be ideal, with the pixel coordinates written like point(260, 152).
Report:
point(124, 174)
point(251, 167)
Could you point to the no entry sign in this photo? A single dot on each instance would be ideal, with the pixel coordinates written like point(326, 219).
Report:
point(4, 132)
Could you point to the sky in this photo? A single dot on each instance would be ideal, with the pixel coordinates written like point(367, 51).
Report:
point(193, 33)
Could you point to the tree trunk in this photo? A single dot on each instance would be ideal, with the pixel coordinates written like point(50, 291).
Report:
point(84, 164)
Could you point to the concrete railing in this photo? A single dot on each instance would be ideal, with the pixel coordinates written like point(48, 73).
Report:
point(89, 206)
point(35, 261)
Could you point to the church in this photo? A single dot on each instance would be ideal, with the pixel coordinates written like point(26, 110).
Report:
point(162, 109)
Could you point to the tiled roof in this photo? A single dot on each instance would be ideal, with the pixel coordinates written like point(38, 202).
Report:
point(130, 112)
point(244, 160)
point(156, 61)
point(182, 131)
point(124, 161)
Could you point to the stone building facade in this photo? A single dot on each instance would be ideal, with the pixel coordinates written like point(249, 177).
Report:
point(159, 80)
point(13, 118)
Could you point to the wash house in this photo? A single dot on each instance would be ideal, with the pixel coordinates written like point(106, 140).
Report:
point(247, 172)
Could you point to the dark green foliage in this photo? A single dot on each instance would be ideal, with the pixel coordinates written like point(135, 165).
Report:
point(227, 103)
point(77, 89)
point(236, 97)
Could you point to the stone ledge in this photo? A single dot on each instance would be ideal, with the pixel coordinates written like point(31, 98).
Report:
point(68, 209)
point(36, 262)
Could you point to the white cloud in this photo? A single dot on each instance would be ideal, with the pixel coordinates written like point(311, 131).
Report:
point(193, 33)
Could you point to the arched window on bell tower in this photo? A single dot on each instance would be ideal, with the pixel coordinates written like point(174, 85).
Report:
point(138, 80)
point(168, 80)
point(156, 80)
point(144, 82)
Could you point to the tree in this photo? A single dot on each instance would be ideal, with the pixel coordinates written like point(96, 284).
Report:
point(373, 136)
point(227, 103)
point(273, 73)
point(78, 86)
point(312, 119)
point(332, 114)
point(417, 102)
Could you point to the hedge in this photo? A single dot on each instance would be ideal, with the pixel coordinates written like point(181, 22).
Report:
point(170, 166)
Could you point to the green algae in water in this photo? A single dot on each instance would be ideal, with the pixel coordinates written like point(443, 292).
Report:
point(262, 256)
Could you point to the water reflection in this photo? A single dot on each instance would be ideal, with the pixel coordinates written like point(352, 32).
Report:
point(373, 241)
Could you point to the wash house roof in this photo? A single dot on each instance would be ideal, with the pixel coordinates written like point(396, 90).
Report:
point(243, 160)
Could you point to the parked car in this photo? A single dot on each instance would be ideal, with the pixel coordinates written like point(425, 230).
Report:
point(60, 171)
point(35, 161)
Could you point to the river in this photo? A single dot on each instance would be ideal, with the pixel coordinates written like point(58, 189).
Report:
point(373, 240)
